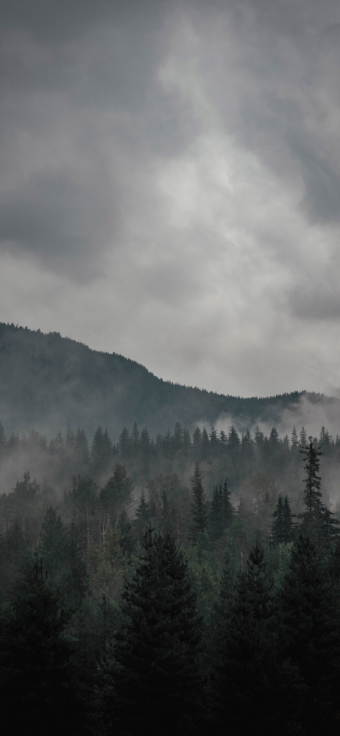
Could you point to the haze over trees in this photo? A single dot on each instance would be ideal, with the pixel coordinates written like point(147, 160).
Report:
point(181, 581)
point(47, 381)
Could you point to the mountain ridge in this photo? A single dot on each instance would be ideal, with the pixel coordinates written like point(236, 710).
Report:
point(48, 381)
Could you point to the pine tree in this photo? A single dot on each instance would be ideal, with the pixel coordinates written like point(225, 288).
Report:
point(124, 526)
point(62, 558)
point(294, 440)
point(311, 636)
point(113, 496)
point(153, 684)
point(278, 523)
point(216, 520)
point(214, 442)
point(223, 441)
point(233, 440)
point(142, 511)
point(318, 522)
point(142, 516)
point(53, 546)
point(101, 455)
point(197, 444)
point(124, 444)
point(205, 445)
point(199, 505)
point(288, 524)
point(283, 525)
point(84, 499)
point(250, 685)
point(228, 511)
point(75, 584)
point(135, 438)
point(81, 452)
point(222, 512)
point(303, 437)
point(39, 683)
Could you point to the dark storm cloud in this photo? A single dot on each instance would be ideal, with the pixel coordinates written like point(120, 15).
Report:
point(50, 21)
point(183, 155)
point(57, 219)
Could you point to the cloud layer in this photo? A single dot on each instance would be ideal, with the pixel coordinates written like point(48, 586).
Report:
point(170, 185)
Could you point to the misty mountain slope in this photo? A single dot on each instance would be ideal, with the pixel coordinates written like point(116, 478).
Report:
point(47, 381)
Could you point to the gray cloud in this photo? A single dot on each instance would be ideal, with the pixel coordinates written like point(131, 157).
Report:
point(170, 184)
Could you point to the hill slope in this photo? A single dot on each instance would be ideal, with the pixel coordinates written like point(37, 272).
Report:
point(47, 381)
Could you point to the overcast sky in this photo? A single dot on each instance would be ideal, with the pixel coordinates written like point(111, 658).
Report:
point(170, 185)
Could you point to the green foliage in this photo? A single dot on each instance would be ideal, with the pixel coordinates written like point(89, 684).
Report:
point(62, 558)
point(199, 506)
point(311, 635)
point(317, 521)
point(283, 526)
point(152, 680)
point(250, 682)
point(114, 497)
point(109, 565)
point(204, 573)
point(221, 513)
point(39, 682)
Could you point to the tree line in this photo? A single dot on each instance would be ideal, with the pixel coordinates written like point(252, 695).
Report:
point(120, 623)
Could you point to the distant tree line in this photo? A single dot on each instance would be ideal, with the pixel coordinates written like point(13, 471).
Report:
point(219, 455)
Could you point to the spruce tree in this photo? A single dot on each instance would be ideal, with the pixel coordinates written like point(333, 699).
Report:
point(142, 517)
point(318, 522)
point(278, 524)
point(221, 512)
point(249, 683)
point(199, 506)
point(215, 518)
point(311, 637)
point(153, 684)
point(62, 558)
point(283, 525)
point(228, 511)
point(288, 524)
point(39, 682)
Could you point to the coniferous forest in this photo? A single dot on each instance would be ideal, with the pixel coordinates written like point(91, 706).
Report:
point(185, 583)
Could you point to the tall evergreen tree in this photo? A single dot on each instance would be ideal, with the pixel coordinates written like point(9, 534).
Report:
point(215, 520)
point(250, 684)
point(196, 444)
point(124, 444)
point(199, 505)
point(294, 438)
point(317, 522)
point(101, 455)
point(81, 452)
point(142, 518)
point(153, 683)
point(311, 637)
point(62, 558)
point(205, 444)
point(222, 512)
point(283, 525)
point(228, 511)
point(39, 683)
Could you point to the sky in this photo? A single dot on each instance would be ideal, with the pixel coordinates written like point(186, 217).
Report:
point(170, 185)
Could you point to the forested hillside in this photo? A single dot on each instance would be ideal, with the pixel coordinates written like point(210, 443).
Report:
point(181, 580)
point(189, 584)
point(47, 382)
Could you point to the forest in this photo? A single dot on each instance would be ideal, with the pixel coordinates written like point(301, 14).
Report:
point(186, 582)
point(49, 381)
